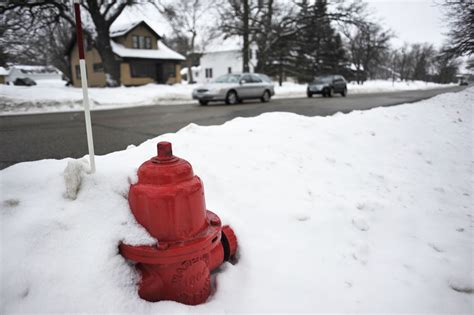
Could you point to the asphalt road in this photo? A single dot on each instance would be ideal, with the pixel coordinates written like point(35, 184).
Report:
point(41, 136)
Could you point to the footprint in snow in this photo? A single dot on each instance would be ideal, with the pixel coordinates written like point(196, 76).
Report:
point(439, 189)
point(8, 205)
point(303, 218)
point(360, 224)
point(361, 253)
point(461, 286)
point(435, 248)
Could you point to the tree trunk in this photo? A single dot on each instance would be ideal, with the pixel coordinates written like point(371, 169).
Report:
point(102, 42)
point(190, 71)
point(191, 54)
point(280, 71)
point(246, 35)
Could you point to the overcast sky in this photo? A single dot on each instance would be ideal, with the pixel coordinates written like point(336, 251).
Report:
point(411, 20)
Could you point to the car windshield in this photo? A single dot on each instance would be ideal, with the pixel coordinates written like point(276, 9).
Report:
point(325, 79)
point(228, 78)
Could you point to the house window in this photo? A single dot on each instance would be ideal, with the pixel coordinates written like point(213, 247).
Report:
point(135, 41)
point(229, 70)
point(208, 72)
point(78, 72)
point(169, 70)
point(141, 69)
point(147, 42)
point(250, 54)
point(141, 42)
point(98, 67)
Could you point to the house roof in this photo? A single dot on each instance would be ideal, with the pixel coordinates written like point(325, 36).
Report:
point(3, 71)
point(120, 29)
point(163, 52)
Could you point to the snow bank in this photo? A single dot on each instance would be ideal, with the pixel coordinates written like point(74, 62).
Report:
point(289, 89)
point(53, 96)
point(365, 212)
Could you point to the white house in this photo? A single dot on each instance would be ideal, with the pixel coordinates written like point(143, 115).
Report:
point(34, 73)
point(224, 56)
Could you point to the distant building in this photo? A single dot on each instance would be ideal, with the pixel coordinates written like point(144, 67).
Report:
point(33, 72)
point(143, 57)
point(3, 75)
point(224, 56)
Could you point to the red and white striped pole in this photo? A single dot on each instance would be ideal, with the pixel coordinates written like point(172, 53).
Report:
point(85, 94)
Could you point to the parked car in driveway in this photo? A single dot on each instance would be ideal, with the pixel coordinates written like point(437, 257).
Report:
point(24, 81)
point(327, 85)
point(233, 88)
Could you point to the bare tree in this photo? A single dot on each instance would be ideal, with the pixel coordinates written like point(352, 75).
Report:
point(460, 14)
point(189, 22)
point(367, 46)
point(447, 66)
point(240, 17)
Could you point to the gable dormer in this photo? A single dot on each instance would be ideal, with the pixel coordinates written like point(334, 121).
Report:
point(137, 35)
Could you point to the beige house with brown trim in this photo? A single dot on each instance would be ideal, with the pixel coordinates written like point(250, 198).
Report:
point(143, 57)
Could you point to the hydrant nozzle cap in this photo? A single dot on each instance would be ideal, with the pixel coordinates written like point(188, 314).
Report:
point(165, 151)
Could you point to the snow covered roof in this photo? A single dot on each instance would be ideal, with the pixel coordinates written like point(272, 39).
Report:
point(163, 52)
point(35, 69)
point(120, 29)
point(193, 68)
point(3, 71)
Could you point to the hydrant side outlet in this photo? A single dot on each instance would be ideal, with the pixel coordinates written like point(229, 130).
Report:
point(168, 201)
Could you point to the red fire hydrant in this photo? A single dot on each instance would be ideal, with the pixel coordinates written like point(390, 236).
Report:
point(168, 200)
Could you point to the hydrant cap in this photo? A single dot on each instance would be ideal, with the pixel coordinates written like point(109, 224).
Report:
point(165, 151)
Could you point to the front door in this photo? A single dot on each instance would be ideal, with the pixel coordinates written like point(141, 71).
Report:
point(159, 74)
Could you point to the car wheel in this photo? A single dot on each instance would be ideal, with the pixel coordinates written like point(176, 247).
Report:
point(231, 98)
point(330, 92)
point(309, 94)
point(203, 103)
point(344, 92)
point(265, 97)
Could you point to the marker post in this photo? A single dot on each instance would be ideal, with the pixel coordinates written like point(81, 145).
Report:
point(85, 93)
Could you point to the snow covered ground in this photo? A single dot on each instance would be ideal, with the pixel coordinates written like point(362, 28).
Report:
point(370, 211)
point(54, 96)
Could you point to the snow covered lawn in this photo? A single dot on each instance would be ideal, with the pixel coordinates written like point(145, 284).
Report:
point(53, 96)
point(370, 211)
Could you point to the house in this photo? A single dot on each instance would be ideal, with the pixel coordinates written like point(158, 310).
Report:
point(3, 75)
point(143, 57)
point(224, 55)
point(33, 72)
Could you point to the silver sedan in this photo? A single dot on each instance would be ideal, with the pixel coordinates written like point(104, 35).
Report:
point(233, 88)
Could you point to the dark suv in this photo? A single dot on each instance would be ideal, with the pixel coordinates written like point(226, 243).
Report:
point(327, 85)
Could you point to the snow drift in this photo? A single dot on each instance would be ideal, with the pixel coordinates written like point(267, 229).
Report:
point(365, 212)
